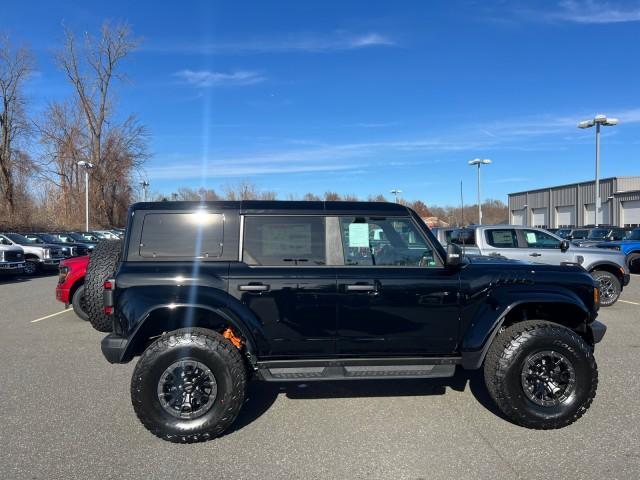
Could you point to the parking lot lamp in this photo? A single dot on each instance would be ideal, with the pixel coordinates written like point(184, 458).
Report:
point(479, 162)
point(395, 192)
point(87, 166)
point(597, 121)
point(144, 184)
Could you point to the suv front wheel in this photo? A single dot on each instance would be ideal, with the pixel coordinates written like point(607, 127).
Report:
point(541, 375)
point(189, 385)
point(609, 286)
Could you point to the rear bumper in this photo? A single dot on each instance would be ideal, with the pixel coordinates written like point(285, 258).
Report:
point(598, 329)
point(114, 348)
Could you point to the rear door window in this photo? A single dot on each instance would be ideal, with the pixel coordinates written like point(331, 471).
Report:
point(284, 240)
point(502, 238)
point(185, 235)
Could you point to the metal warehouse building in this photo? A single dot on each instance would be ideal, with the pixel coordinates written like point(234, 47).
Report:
point(574, 205)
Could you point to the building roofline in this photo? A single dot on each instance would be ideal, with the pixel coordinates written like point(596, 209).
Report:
point(571, 184)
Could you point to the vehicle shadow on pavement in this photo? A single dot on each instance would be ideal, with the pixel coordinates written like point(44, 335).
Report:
point(261, 395)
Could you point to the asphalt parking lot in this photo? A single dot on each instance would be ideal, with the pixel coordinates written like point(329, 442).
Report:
point(66, 413)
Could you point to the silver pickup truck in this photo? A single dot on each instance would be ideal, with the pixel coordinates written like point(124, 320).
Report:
point(531, 244)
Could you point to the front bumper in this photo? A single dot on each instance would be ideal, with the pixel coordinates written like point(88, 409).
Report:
point(63, 295)
point(51, 263)
point(114, 348)
point(626, 278)
point(11, 267)
point(598, 330)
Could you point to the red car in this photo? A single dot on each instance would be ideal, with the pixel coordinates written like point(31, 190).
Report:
point(70, 288)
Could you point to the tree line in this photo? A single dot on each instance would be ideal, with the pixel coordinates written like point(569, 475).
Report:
point(493, 211)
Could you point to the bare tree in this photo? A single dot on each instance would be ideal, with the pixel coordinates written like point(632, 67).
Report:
point(15, 67)
point(87, 128)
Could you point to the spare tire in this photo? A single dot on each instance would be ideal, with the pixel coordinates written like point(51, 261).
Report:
point(102, 264)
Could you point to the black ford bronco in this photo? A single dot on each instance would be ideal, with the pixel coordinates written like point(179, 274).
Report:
point(211, 294)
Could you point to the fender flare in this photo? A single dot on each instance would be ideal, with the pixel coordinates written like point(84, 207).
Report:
point(473, 352)
point(226, 315)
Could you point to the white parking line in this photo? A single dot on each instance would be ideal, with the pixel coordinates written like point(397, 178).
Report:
point(627, 301)
point(52, 315)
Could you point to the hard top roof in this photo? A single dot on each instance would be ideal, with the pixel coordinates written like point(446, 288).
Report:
point(281, 206)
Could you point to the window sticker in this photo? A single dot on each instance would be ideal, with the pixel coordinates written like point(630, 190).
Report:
point(359, 235)
point(531, 237)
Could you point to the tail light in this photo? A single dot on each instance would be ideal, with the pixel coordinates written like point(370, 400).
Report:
point(107, 296)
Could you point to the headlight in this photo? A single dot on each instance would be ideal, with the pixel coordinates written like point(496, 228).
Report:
point(46, 253)
point(62, 276)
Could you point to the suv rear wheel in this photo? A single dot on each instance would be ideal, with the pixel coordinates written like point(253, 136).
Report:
point(541, 375)
point(189, 385)
point(609, 285)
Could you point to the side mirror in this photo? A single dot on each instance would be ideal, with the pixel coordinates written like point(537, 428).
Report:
point(454, 255)
point(564, 245)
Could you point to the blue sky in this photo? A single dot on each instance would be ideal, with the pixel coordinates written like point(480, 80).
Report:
point(363, 97)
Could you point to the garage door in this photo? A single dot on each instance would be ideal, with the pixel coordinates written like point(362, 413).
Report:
point(565, 216)
point(590, 214)
point(517, 217)
point(631, 213)
point(539, 217)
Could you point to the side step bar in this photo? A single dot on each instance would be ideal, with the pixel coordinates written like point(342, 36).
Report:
point(355, 369)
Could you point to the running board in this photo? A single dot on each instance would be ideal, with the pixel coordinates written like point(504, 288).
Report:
point(356, 369)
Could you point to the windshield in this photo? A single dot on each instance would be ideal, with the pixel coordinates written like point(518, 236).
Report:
point(76, 236)
point(597, 234)
point(22, 240)
point(47, 238)
point(633, 235)
point(579, 234)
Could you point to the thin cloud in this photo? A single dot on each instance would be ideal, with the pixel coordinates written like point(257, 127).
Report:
point(542, 133)
point(591, 12)
point(207, 78)
point(292, 43)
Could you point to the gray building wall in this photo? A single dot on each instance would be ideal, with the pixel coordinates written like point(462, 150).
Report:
point(573, 198)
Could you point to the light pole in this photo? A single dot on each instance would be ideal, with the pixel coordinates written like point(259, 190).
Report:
point(479, 162)
point(144, 184)
point(395, 192)
point(87, 166)
point(598, 120)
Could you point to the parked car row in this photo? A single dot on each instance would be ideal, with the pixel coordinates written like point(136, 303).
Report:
point(32, 253)
point(606, 262)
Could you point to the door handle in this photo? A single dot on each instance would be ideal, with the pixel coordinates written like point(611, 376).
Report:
point(359, 287)
point(253, 288)
point(535, 254)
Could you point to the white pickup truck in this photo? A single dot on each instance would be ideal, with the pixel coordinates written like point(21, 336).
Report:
point(532, 244)
point(11, 258)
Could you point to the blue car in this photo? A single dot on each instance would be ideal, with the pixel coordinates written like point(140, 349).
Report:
point(630, 246)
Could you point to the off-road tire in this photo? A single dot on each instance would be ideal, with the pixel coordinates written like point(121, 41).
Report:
point(633, 262)
point(506, 358)
point(78, 302)
point(215, 352)
point(102, 264)
point(612, 284)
